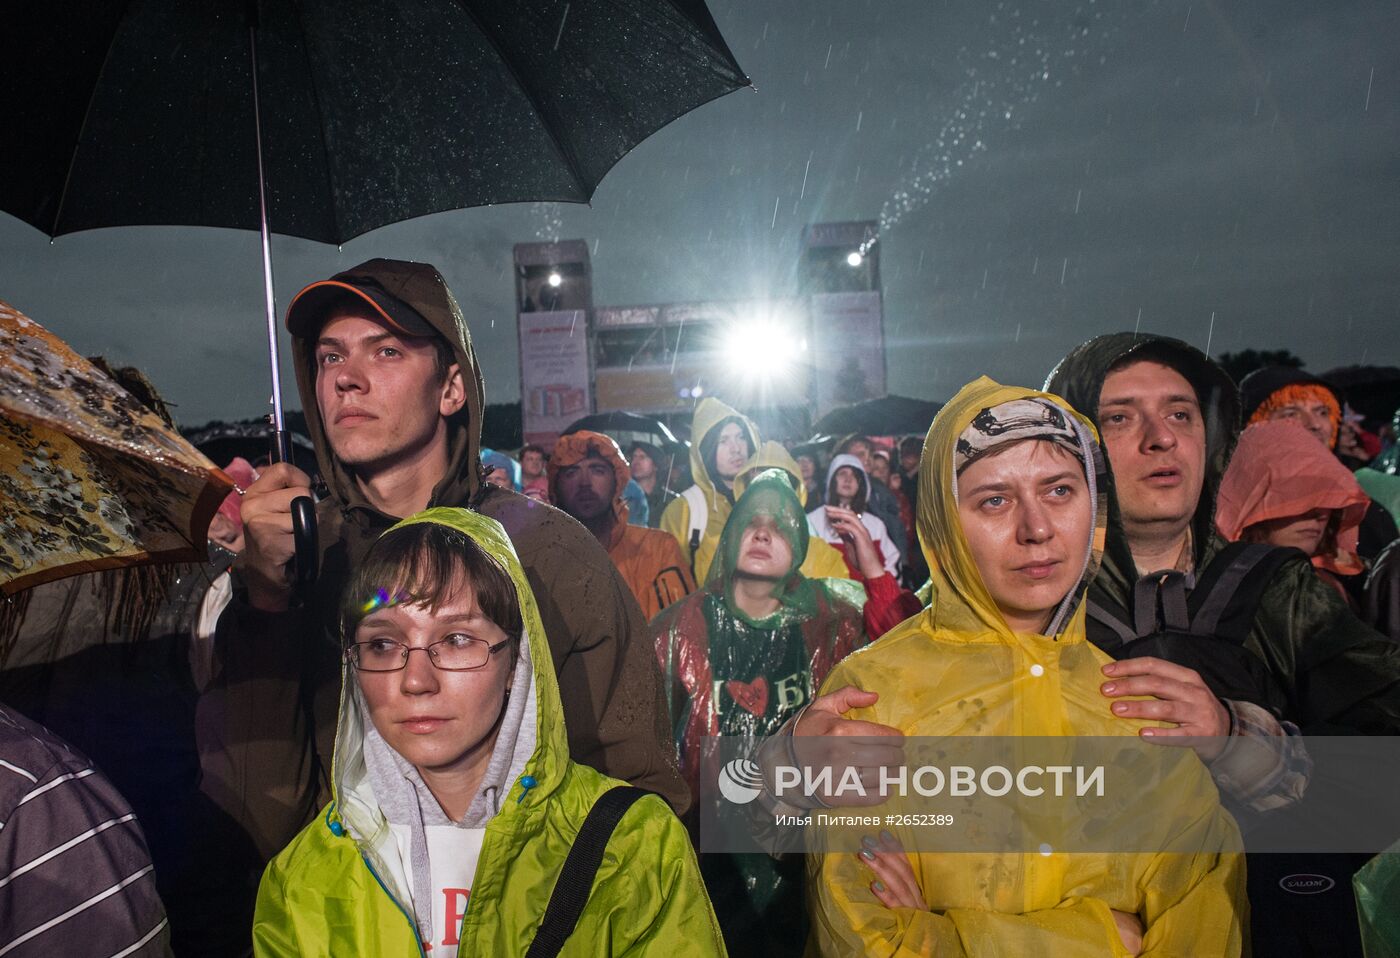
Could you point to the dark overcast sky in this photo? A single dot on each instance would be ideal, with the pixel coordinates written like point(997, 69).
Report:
point(1043, 171)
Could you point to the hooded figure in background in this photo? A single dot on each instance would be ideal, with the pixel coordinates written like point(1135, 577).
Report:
point(386, 868)
point(823, 561)
point(1022, 679)
point(722, 440)
point(881, 500)
point(886, 603)
point(502, 470)
point(651, 471)
point(1388, 462)
point(1283, 488)
point(741, 657)
point(278, 669)
point(767, 663)
point(851, 490)
point(1283, 393)
point(587, 476)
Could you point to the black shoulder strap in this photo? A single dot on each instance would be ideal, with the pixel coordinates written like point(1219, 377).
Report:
point(1114, 631)
point(1229, 590)
point(575, 881)
point(1165, 590)
point(1118, 626)
point(694, 551)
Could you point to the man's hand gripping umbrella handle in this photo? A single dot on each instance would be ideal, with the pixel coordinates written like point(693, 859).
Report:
point(304, 564)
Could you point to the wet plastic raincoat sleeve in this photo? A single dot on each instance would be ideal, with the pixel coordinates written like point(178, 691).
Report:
point(676, 520)
point(1347, 674)
point(275, 930)
point(1185, 901)
point(852, 921)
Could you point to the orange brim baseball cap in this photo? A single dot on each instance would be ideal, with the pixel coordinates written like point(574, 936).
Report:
point(311, 307)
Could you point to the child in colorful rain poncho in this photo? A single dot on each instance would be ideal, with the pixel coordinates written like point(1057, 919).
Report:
point(1011, 518)
point(741, 657)
point(455, 801)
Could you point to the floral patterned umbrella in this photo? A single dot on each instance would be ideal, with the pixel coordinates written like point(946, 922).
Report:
point(89, 478)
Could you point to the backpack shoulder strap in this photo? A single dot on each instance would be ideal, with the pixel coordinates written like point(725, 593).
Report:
point(698, 513)
point(1229, 590)
point(1108, 625)
point(575, 882)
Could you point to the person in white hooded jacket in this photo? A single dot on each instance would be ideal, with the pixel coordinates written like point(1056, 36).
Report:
point(847, 496)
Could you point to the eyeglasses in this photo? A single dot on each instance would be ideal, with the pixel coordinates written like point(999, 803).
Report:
point(456, 653)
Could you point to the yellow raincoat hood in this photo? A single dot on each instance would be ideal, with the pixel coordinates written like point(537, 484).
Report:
point(961, 605)
point(550, 755)
point(957, 669)
point(342, 887)
point(771, 455)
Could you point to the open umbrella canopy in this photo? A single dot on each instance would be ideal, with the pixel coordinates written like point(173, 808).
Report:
point(373, 111)
point(90, 479)
point(1372, 390)
point(885, 416)
point(626, 427)
point(251, 439)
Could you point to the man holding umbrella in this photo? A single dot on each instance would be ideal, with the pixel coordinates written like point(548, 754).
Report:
point(393, 399)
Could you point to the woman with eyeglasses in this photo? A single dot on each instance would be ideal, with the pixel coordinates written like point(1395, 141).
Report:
point(455, 802)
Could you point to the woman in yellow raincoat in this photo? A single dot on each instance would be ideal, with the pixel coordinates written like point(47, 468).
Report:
point(1011, 519)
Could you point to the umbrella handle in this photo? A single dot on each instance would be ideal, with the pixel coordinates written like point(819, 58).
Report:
point(304, 566)
point(307, 559)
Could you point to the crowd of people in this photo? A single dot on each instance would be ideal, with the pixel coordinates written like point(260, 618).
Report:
point(1142, 548)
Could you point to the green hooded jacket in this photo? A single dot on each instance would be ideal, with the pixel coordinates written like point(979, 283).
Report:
point(342, 887)
point(1340, 675)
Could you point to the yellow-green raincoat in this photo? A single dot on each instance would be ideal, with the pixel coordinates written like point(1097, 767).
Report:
point(959, 649)
point(341, 887)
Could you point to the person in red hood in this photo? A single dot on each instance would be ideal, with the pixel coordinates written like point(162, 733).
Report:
point(1281, 393)
point(1283, 488)
point(587, 474)
point(394, 401)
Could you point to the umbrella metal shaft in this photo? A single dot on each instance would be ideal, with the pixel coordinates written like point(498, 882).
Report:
point(280, 444)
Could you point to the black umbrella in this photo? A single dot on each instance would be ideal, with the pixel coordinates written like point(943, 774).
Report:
point(372, 111)
point(628, 426)
point(359, 113)
point(1371, 390)
point(250, 438)
point(886, 416)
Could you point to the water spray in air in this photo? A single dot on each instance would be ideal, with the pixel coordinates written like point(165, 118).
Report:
point(1028, 55)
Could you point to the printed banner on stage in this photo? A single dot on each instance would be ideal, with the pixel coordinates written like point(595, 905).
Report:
point(554, 385)
point(849, 339)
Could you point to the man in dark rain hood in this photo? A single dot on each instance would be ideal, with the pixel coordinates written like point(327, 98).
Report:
point(394, 399)
point(1169, 418)
point(1143, 392)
